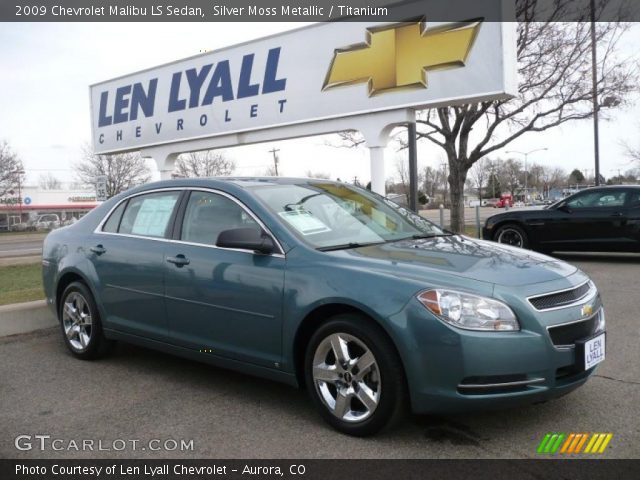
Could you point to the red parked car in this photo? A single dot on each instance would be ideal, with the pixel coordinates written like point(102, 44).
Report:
point(504, 201)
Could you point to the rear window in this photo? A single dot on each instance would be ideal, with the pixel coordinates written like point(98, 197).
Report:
point(111, 225)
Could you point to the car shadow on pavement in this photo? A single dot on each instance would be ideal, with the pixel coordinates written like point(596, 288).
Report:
point(293, 407)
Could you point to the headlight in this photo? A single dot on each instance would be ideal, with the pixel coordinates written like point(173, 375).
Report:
point(468, 311)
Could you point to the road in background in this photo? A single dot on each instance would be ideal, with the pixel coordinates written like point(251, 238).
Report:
point(141, 394)
point(20, 245)
point(469, 214)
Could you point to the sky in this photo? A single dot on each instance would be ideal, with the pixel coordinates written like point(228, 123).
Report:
point(47, 69)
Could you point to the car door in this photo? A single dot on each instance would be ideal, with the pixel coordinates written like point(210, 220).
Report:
point(226, 302)
point(593, 220)
point(632, 226)
point(127, 253)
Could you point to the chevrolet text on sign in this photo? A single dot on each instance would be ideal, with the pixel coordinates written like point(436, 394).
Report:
point(325, 71)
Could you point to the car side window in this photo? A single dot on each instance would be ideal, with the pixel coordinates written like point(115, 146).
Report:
point(634, 200)
point(208, 214)
point(111, 225)
point(148, 215)
point(607, 198)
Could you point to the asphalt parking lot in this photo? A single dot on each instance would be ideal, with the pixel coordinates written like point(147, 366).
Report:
point(140, 394)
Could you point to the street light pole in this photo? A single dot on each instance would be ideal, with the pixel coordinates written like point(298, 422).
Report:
point(594, 80)
point(526, 157)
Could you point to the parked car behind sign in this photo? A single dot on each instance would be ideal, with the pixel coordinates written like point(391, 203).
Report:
point(601, 219)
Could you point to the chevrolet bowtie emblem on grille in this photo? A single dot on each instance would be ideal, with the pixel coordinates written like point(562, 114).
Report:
point(399, 56)
point(586, 310)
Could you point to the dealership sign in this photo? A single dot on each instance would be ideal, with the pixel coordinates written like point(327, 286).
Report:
point(328, 70)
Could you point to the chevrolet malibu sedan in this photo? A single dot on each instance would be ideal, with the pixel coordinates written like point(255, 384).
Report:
point(324, 285)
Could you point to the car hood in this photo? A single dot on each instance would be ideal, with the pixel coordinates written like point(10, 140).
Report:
point(464, 257)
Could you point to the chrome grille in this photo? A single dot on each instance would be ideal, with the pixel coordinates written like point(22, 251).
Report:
point(560, 299)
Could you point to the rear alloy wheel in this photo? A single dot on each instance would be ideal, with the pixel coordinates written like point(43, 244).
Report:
point(513, 235)
point(349, 362)
point(76, 321)
point(80, 323)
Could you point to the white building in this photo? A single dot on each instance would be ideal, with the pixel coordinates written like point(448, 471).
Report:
point(26, 205)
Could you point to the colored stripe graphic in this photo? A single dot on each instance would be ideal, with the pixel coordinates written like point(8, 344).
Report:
point(582, 442)
point(543, 443)
point(556, 445)
point(550, 443)
point(573, 443)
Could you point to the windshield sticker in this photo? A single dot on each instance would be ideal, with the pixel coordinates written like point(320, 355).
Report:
point(304, 222)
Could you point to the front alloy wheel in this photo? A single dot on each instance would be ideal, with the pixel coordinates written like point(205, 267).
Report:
point(354, 375)
point(346, 377)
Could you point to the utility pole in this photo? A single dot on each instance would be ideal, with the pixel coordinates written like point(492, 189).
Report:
point(275, 151)
point(446, 182)
point(594, 80)
point(413, 166)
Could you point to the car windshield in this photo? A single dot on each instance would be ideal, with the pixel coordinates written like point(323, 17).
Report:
point(332, 216)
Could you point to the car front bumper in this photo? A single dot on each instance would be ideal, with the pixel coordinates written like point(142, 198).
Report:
point(450, 370)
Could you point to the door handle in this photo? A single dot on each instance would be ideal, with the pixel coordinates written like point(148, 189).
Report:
point(178, 260)
point(98, 249)
point(617, 214)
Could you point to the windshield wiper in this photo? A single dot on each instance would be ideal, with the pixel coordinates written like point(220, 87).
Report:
point(346, 246)
point(420, 236)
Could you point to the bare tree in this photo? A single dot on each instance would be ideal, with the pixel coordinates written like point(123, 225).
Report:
point(433, 180)
point(122, 170)
point(347, 139)
point(204, 164)
point(480, 174)
point(270, 171)
point(633, 153)
point(510, 175)
point(48, 181)
point(555, 87)
point(11, 169)
point(552, 178)
point(403, 176)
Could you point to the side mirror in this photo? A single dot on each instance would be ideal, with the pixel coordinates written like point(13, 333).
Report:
point(246, 239)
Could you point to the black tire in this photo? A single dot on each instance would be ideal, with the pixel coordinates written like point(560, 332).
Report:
point(509, 233)
point(92, 344)
point(391, 386)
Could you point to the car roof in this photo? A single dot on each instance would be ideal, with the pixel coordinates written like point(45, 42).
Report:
point(240, 182)
point(606, 187)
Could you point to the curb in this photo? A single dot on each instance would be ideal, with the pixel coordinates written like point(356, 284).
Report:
point(25, 317)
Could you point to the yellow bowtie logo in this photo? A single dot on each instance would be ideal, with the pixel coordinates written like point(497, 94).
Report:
point(399, 56)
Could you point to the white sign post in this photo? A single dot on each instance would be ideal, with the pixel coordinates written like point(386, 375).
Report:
point(318, 79)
